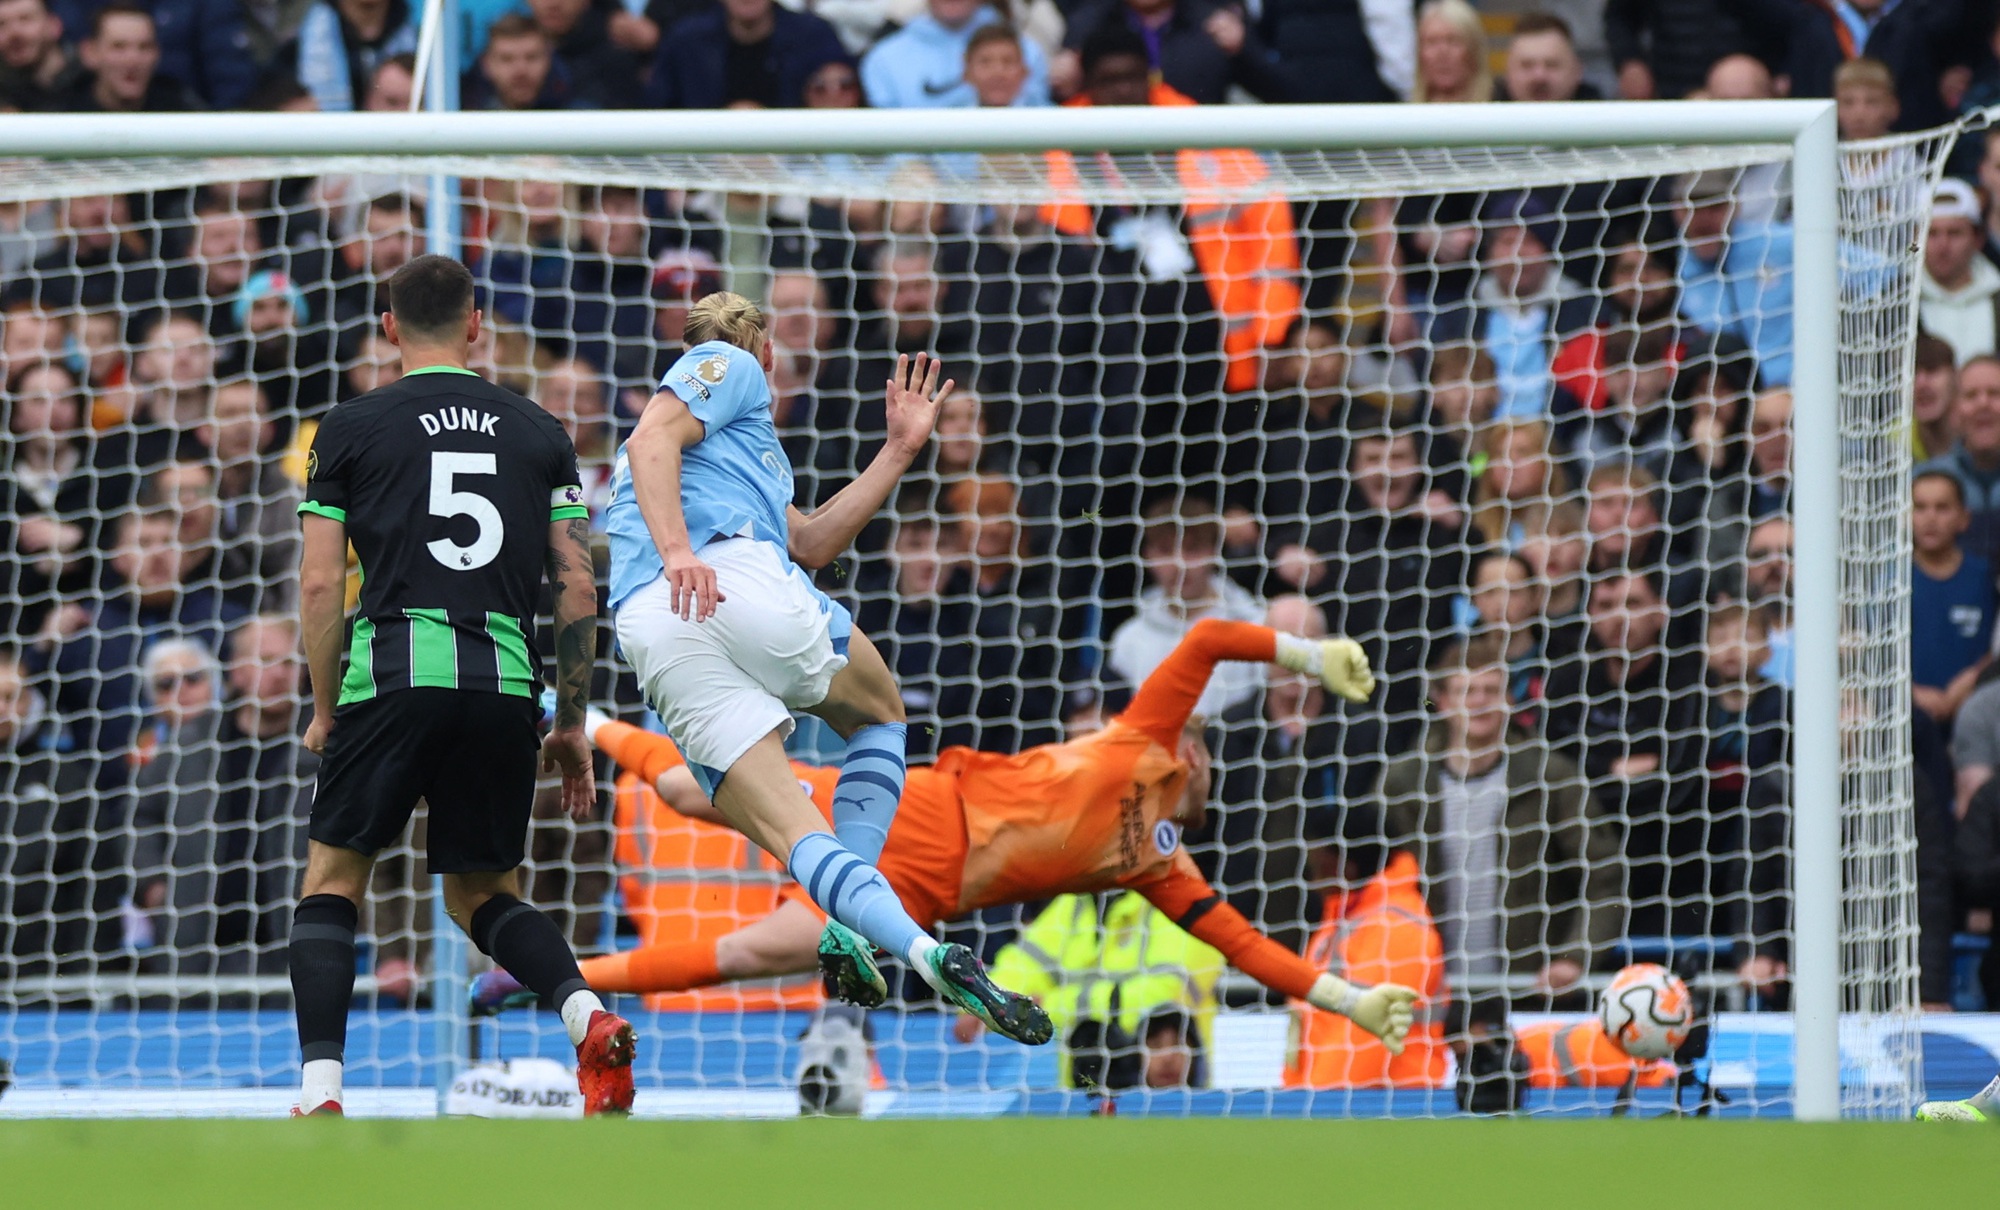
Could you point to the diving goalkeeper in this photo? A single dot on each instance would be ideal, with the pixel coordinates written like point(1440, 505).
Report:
point(980, 829)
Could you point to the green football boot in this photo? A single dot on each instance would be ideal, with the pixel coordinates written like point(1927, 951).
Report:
point(960, 977)
point(847, 967)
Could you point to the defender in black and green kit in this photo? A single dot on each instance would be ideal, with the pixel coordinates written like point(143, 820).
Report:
point(446, 484)
point(458, 497)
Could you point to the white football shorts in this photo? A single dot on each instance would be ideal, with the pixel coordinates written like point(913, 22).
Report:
point(771, 647)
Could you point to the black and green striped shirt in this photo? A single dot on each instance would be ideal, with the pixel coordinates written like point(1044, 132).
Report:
point(447, 485)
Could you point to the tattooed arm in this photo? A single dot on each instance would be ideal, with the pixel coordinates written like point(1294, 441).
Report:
point(572, 576)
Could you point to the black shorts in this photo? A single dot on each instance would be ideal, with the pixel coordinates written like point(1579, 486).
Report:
point(472, 756)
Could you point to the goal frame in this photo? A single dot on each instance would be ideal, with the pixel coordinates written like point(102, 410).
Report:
point(1808, 126)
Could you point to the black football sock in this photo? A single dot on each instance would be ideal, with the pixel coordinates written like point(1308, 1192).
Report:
point(322, 963)
point(530, 946)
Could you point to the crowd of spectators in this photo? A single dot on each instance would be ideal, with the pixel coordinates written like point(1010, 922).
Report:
point(1931, 59)
point(1529, 446)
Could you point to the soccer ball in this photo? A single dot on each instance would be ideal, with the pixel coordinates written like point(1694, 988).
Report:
point(1647, 1011)
point(833, 1068)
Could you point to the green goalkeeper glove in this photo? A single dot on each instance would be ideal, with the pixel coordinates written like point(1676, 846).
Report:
point(1383, 1010)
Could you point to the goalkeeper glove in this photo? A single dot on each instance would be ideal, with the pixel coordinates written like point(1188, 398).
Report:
point(1340, 664)
point(1383, 1010)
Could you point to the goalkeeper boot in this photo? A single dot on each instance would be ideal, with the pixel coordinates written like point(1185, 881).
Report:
point(1982, 1106)
point(1952, 1111)
point(960, 977)
point(604, 1066)
point(847, 967)
point(496, 991)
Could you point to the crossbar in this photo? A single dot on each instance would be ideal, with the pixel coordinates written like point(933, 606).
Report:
point(866, 131)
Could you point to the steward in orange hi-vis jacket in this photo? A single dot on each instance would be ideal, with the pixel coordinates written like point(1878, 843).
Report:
point(1238, 228)
point(687, 882)
point(1380, 932)
point(1579, 1054)
point(979, 829)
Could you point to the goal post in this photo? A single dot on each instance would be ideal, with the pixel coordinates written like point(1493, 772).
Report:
point(1854, 212)
point(440, 28)
point(1816, 718)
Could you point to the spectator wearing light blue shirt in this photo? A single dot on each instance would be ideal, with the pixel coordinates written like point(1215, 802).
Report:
point(342, 43)
point(922, 65)
point(1736, 277)
point(1522, 310)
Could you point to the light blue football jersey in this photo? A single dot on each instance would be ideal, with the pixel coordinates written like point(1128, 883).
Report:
point(735, 482)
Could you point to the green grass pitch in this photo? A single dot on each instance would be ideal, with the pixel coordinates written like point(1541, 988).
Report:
point(1009, 1164)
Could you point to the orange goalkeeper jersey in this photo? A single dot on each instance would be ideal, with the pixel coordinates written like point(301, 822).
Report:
point(980, 829)
point(1087, 815)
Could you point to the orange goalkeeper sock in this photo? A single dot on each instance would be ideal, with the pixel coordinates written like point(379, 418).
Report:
point(675, 967)
point(638, 750)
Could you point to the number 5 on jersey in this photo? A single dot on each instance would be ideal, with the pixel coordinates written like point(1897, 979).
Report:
point(448, 502)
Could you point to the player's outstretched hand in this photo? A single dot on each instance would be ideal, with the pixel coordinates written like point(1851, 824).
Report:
point(912, 404)
point(317, 732)
point(568, 751)
point(1384, 1010)
point(694, 594)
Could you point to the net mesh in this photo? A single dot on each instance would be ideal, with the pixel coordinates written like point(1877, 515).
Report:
point(1883, 219)
point(1522, 404)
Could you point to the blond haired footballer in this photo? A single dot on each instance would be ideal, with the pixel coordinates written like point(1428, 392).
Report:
point(728, 636)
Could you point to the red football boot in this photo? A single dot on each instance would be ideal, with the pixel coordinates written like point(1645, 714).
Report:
point(325, 1109)
point(604, 1065)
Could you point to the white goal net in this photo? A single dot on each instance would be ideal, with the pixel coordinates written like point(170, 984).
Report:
point(1518, 419)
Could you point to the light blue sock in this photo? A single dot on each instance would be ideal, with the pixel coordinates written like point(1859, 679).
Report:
point(855, 893)
point(870, 788)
